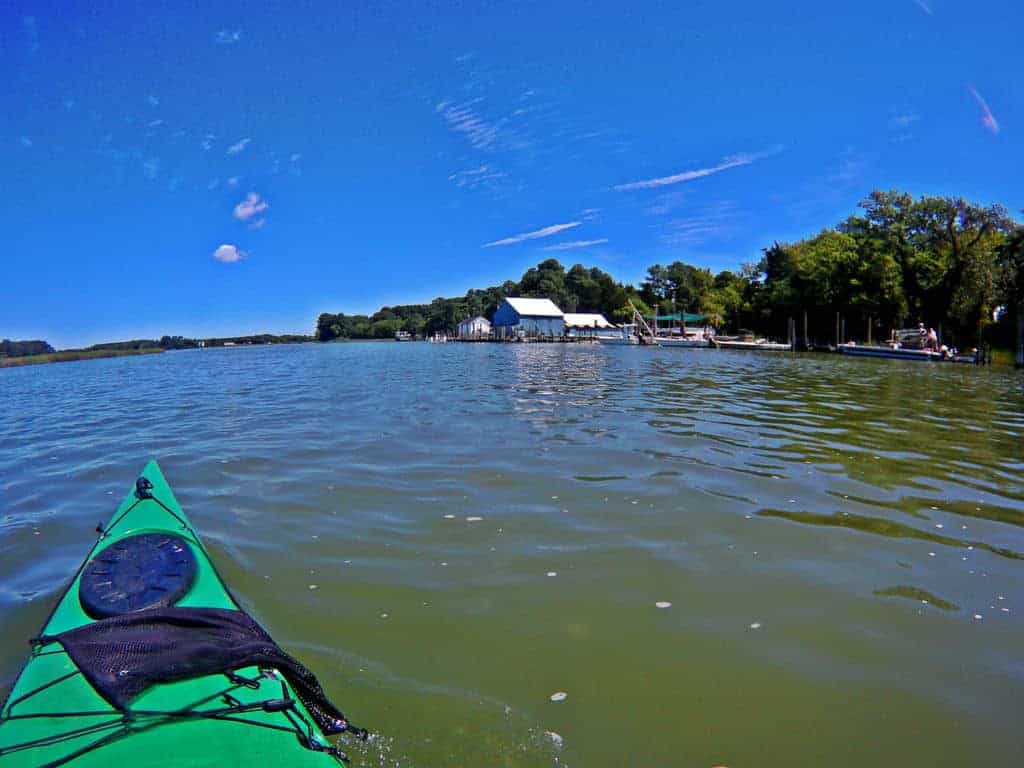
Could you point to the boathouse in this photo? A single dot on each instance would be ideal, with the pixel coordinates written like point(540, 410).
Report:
point(475, 328)
point(584, 324)
point(528, 318)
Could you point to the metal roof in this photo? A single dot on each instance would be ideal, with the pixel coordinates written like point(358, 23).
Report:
point(583, 320)
point(534, 307)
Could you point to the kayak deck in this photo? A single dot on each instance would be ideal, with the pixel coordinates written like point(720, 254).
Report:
point(53, 716)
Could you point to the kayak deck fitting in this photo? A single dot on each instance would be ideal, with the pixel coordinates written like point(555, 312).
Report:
point(149, 557)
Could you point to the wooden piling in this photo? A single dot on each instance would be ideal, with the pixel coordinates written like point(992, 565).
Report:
point(1020, 336)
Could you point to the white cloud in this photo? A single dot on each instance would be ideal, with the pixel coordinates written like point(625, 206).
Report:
point(26, 141)
point(151, 167)
point(903, 121)
point(463, 119)
point(250, 207)
point(733, 161)
point(232, 182)
point(153, 100)
point(238, 146)
point(228, 36)
point(228, 254)
point(924, 6)
point(575, 244)
point(554, 229)
point(476, 177)
point(295, 157)
point(590, 214)
point(987, 118)
point(714, 222)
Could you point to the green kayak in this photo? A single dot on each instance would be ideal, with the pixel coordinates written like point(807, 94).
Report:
point(247, 716)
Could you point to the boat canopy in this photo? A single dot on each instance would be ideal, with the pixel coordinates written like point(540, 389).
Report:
point(686, 317)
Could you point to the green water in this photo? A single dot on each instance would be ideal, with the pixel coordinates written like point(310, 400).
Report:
point(826, 531)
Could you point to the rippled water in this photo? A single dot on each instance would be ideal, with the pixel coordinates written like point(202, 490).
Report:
point(796, 512)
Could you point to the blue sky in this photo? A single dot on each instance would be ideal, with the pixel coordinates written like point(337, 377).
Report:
point(243, 167)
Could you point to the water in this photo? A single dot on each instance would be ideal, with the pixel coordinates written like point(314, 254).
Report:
point(795, 512)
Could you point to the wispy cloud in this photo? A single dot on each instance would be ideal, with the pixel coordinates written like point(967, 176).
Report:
point(464, 119)
point(228, 36)
point(25, 141)
point(554, 229)
point(987, 118)
point(840, 185)
point(666, 202)
point(153, 101)
point(228, 254)
point(151, 168)
point(207, 141)
point(483, 175)
point(250, 207)
point(733, 161)
point(924, 6)
point(714, 222)
point(237, 147)
point(590, 214)
point(575, 244)
point(903, 121)
point(28, 23)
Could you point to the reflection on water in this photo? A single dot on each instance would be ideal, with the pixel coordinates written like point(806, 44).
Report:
point(840, 540)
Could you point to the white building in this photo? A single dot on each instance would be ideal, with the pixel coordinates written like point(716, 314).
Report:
point(475, 328)
point(584, 324)
point(528, 317)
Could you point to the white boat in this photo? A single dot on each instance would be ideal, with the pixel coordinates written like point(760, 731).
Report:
point(690, 338)
point(756, 345)
point(624, 335)
point(926, 355)
point(680, 341)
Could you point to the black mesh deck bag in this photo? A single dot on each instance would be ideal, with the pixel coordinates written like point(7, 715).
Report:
point(122, 656)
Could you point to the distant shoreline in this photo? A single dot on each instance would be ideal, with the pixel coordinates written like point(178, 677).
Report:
point(71, 355)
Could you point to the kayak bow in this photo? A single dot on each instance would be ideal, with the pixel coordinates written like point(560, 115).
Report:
point(150, 557)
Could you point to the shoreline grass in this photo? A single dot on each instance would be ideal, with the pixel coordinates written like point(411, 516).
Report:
point(70, 355)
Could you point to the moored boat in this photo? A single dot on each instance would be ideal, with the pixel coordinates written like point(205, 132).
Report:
point(624, 335)
point(891, 353)
point(683, 342)
point(756, 345)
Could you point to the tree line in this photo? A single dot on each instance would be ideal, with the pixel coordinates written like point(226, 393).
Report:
point(952, 264)
point(10, 348)
point(25, 348)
